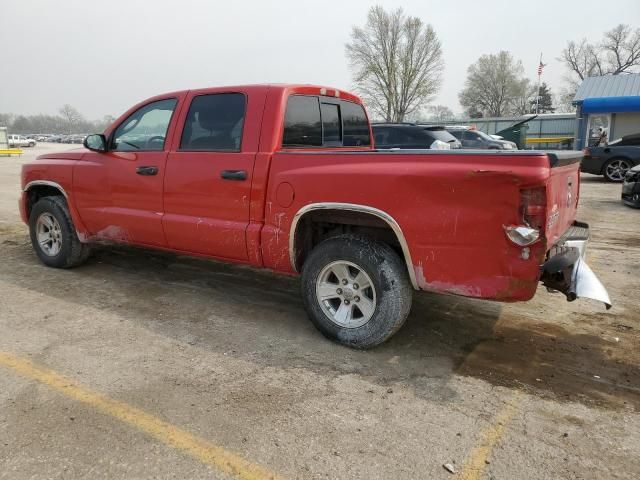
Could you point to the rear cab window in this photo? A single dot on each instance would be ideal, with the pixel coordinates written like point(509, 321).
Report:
point(317, 121)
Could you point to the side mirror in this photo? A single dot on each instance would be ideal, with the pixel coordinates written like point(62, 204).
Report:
point(96, 142)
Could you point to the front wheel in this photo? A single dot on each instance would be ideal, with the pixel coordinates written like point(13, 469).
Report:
point(615, 169)
point(356, 290)
point(53, 235)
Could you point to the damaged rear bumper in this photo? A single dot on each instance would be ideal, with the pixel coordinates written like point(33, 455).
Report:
point(566, 270)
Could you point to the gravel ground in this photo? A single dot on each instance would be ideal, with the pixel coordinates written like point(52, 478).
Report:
point(544, 389)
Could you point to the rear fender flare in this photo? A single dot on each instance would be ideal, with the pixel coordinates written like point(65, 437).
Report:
point(388, 219)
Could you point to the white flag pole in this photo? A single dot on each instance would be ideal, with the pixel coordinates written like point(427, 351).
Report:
point(539, 76)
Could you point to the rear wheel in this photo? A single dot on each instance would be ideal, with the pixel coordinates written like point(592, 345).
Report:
point(356, 290)
point(53, 235)
point(615, 169)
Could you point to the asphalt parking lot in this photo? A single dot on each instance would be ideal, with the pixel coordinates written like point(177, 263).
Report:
point(143, 364)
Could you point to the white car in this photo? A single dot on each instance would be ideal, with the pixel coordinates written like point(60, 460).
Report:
point(20, 141)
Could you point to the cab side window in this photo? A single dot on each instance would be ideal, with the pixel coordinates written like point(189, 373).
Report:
point(355, 125)
point(145, 129)
point(214, 123)
point(312, 121)
point(468, 135)
point(302, 125)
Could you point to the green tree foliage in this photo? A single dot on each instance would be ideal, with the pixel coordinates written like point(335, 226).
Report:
point(545, 102)
point(495, 86)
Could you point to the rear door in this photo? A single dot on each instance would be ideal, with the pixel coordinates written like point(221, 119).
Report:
point(207, 186)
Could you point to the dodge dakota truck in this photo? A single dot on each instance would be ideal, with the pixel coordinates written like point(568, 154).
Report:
point(287, 177)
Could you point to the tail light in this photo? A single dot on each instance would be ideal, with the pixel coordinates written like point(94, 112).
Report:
point(533, 210)
point(533, 204)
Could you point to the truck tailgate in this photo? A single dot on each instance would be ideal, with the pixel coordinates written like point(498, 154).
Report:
point(562, 193)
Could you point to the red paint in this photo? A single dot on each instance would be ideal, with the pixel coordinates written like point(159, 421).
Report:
point(452, 208)
point(285, 195)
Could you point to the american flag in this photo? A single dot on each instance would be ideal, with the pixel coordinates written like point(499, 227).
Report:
point(540, 67)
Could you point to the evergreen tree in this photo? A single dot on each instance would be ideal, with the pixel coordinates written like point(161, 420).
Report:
point(545, 104)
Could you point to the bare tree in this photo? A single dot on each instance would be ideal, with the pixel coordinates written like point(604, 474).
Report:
point(71, 117)
point(618, 52)
point(103, 123)
point(564, 99)
point(495, 86)
point(396, 62)
point(440, 113)
point(523, 97)
point(6, 119)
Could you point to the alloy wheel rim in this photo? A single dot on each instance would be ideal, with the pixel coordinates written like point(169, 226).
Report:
point(617, 169)
point(49, 234)
point(346, 294)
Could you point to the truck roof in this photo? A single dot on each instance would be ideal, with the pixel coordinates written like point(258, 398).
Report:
point(284, 88)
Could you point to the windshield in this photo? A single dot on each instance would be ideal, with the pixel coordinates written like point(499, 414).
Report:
point(485, 136)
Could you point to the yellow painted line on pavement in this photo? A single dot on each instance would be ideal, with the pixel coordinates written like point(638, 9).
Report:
point(166, 433)
point(476, 463)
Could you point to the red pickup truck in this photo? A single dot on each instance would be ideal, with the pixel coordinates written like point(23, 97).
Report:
point(286, 177)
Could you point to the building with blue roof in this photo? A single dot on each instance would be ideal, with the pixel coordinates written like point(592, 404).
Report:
point(611, 102)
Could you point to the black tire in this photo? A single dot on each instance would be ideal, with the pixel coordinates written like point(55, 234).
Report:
point(606, 173)
point(72, 251)
point(388, 275)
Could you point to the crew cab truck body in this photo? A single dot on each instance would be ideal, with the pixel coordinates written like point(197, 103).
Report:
point(286, 177)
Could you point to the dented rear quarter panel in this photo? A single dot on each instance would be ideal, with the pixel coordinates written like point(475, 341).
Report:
point(452, 209)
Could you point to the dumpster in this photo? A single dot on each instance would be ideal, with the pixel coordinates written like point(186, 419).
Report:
point(517, 133)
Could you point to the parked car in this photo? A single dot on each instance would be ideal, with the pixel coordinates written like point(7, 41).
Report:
point(613, 161)
point(412, 136)
point(16, 141)
point(471, 138)
point(79, 138)
point(286, 177)
point(631, 187)
point(55, 138)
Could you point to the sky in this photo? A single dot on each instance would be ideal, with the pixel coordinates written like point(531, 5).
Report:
point(103, 57)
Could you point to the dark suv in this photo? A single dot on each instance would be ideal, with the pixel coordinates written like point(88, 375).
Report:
point(411, 136)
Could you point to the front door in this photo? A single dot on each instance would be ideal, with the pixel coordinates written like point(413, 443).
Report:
point(207, 185)
point(119, 192)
